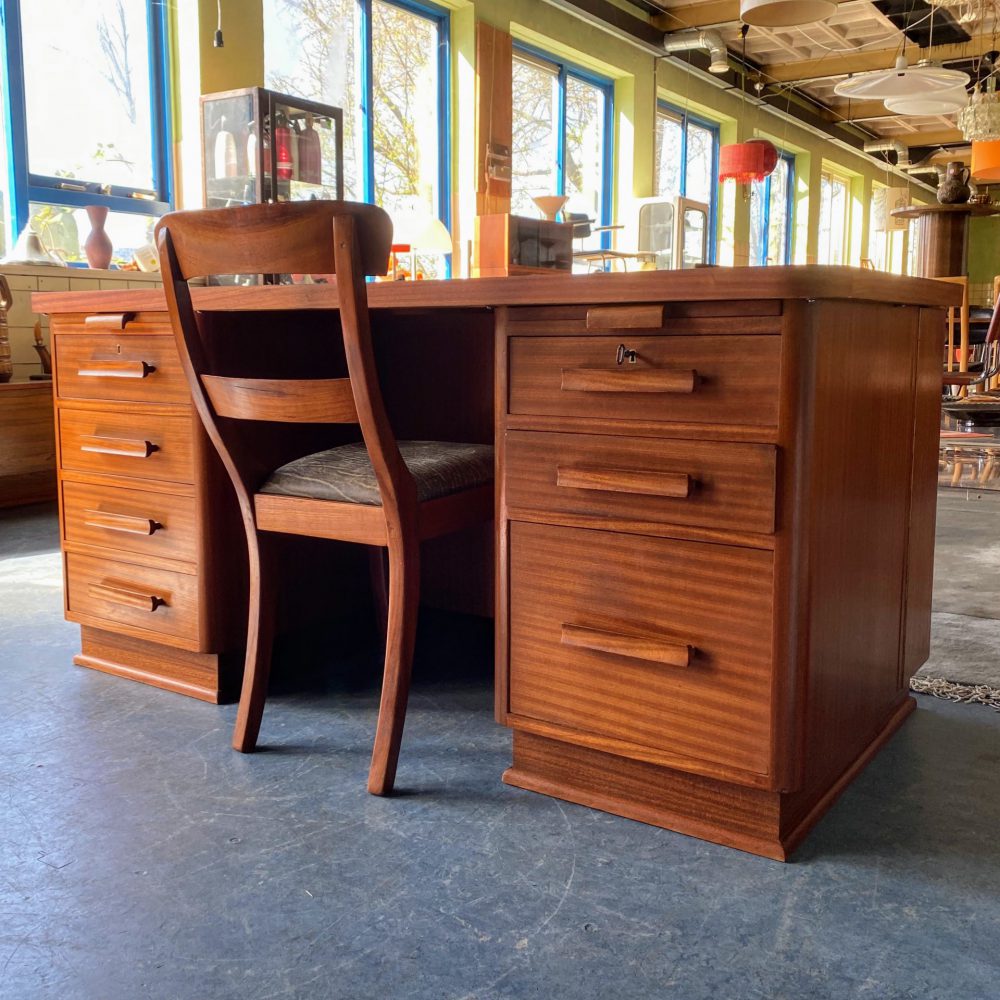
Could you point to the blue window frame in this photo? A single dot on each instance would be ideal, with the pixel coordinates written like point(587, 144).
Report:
point(580, 100)
point(387, 64)
point(28, 186)
point(772, 215)
point(687, 161)
point(439, 18)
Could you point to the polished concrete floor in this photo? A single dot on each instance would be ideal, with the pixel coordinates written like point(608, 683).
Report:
point(141, 858)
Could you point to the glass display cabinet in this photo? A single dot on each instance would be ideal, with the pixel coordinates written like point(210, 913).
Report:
point(260, 146)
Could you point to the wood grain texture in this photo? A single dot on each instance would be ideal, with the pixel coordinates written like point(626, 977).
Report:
point(745, 818)
point(628, 380)
point(638, 317)
point(735, 378)
point(702, 285)
point(134, 368)
point(27, 443)
point(192, 674)
point(134, 441)
point(298, 401)
point(132, 522)
point(715, 599)
point(730, 486)
point(121, 594)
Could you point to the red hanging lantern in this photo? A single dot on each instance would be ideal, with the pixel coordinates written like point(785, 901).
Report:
point(748, 161)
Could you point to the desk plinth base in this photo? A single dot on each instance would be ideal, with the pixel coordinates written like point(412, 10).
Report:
point(197, 675)
point(766, 823)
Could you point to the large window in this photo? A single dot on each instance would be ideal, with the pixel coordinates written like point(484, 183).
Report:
point(562, 138)
point(88, 124)
point(888, 244)
point(772, 214)
point(385, 63)
point(834, 219)
point(687, 160)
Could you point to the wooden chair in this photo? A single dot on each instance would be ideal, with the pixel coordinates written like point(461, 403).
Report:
point(963, 378)
point(379, 492)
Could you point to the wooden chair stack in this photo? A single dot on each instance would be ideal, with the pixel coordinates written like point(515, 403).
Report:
point(377, 492)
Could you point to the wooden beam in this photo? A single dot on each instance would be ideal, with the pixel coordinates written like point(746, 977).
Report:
point(924, 137)
point(829, 66)
point(494, 116)
point(697, 15)
point(858, 111)
point(705, 14)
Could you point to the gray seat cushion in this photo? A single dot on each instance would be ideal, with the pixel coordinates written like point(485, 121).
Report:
point(345, 474)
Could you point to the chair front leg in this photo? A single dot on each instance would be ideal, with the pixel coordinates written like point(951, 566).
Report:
point(260, 639)
point(404, 601)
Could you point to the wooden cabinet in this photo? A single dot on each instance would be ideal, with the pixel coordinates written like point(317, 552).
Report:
point(706, 546)
point(27, 443)
point(142, 509)
point(715, 518)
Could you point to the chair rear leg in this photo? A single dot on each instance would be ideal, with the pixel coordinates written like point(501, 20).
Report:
point(260, 639)
point(404, 600)
point(378, 571)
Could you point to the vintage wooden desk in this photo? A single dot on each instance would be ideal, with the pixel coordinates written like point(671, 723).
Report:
point(715, 500)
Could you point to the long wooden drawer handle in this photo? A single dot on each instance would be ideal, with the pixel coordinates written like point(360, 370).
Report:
point(636, 647)
point(121, 522)
point(116, 369)
point(654, 484)
point(125, 447)
point(126, 597)
point(625, 317)
point(628, 380)
point(108, 321)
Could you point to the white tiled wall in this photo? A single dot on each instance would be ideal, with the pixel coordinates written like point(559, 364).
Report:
point(26, 279)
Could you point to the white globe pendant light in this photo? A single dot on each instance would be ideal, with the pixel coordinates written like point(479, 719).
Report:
point(901, 81)
point(944, 102)
point(784, 13)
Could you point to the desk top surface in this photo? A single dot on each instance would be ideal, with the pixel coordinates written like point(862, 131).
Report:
point(699, 285)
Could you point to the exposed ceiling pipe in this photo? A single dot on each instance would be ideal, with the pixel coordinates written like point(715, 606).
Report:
point(891, 146)
point(924, 166)
point(707, 41)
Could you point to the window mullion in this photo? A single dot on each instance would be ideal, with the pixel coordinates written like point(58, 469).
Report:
point(368, 89)
point(561, 133)
point(16, 124)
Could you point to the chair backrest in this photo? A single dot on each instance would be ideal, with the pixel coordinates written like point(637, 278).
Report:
point(581, 223)
point(345, 239)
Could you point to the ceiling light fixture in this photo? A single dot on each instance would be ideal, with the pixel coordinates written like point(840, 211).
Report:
point(902, 80)
point(945, 102)
point(785, 13)
point(980, 119)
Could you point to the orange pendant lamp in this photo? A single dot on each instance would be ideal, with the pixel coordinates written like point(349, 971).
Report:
point(748, 161)
point(986, 161)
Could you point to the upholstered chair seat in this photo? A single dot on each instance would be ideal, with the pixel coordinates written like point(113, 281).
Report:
point(346, 474)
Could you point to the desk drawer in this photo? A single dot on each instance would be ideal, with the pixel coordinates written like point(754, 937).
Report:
point(716, 484)
point(156, 600)
point(128, 443)
point(702, 379)
point(132, 368)
point(131, 521)
point(659, 643)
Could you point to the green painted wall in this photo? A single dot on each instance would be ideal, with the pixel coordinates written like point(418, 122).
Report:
point(984, 249)
point(640, 78)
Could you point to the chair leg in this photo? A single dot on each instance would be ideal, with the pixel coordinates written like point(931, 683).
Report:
point(378, 572)
point(404, 599)
point(260, 637)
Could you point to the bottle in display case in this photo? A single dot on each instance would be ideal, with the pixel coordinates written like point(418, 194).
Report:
point(261, 146)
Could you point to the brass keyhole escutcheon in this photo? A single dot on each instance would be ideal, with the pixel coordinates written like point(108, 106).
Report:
point(624, 353)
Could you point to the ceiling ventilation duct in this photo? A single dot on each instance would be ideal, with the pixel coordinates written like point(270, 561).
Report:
point(705, 41)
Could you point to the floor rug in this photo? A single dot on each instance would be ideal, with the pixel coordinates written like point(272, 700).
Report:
point(964, 664)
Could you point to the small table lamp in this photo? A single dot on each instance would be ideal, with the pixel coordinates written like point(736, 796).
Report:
point(432, 238)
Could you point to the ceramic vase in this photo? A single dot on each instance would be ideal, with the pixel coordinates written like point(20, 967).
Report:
point(954, 187)
point(98, 245)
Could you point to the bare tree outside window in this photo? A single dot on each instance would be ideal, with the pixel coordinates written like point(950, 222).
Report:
point(114, 39)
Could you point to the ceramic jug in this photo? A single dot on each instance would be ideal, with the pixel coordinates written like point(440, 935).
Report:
point(954, 186)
